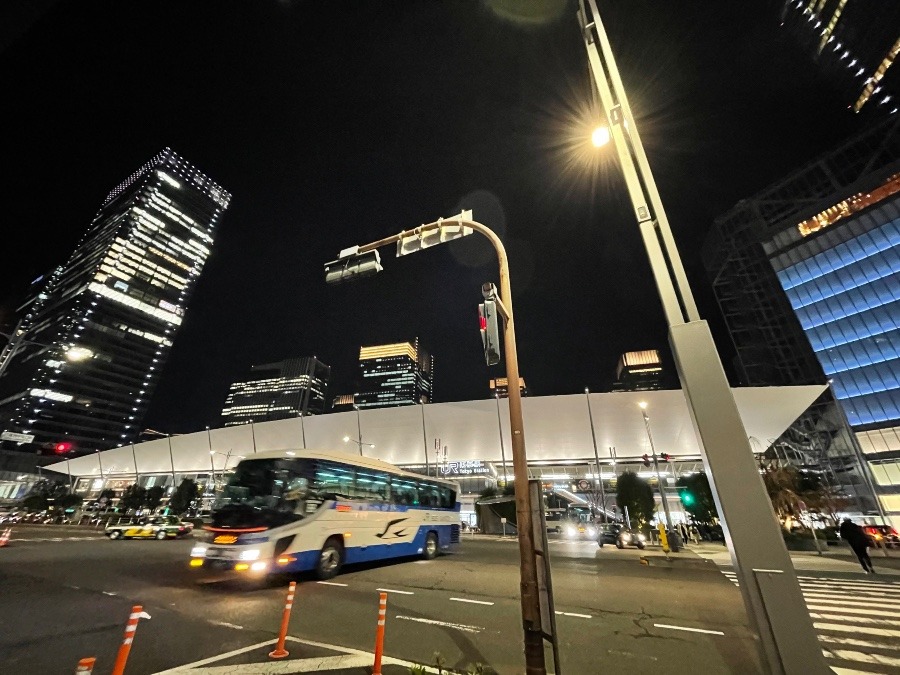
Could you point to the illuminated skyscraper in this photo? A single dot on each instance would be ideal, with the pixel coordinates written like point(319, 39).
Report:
point(277, 391)
point(855, 43)
point(121, 295)
point(500, 387)
point(639, 371)
point(395, 374)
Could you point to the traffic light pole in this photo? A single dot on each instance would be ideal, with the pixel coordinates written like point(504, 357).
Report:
point(768, 583)
point(659, 481)
point(411, 241)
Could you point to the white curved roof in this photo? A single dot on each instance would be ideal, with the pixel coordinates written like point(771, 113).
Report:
point(557, 430)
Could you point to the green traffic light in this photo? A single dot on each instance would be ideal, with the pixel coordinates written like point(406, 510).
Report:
point(687, 498)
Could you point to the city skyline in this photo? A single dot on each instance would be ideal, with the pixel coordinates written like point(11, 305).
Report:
point(322, 123)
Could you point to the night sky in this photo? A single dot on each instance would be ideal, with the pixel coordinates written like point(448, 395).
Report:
point(339, 123)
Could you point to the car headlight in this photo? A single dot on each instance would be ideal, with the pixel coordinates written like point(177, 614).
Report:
point(571, 531)
point(198, 552)
point(591, 532)
point(250, 554)
point(642, 537)
point(626, 537)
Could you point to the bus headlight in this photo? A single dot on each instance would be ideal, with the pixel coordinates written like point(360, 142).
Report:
point(258, 566)
point(250, 554)
point(571, 531)
point(198, 552)
point(591, 532)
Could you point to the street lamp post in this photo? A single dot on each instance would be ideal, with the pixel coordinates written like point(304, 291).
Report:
point(502, 447)
point(587, 395)
point(659, 479)
point(359, 261)
point(347, 439)
point(768, 582)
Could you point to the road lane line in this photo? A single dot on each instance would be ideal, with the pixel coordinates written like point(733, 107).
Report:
point(393, 590)
point(475, 602)
point(107, 593)
point(580, 616)
point(213, 659)
point(226, 624)
point(692, 630)
point(330, 583)
point(851, 642)
point(432, 622)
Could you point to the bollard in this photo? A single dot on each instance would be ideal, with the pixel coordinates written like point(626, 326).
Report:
point(130, 628)
point(379, 633)
point(4, 538)
point(86, 665)
point(280, 652)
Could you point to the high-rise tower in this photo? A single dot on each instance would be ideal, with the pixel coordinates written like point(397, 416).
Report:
point(395, 374)
point(120, 299)
point(277, 391)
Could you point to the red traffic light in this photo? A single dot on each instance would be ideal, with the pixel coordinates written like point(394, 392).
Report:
point(646, 459)
point(665, 456)
point(62, 448)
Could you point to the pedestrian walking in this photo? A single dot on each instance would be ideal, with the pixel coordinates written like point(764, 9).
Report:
point(858, 540)
point(695, 534)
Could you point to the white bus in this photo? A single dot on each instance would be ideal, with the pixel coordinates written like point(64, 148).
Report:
point(292, 511)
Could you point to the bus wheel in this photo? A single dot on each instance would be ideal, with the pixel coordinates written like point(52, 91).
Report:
point(430, 550)
point(330, 559)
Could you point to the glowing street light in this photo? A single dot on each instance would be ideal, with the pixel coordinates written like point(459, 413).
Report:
point(600, 136)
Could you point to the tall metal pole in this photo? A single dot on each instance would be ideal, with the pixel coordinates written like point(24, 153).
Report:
point(69, 471)
point(137, 476)
point(358, 430)
point(424, 437)
point(171, 460)
point(253, 436)
point(500, 428)
point(659, 479)
point(768, 583)
point(100, 464)
point(303, 430)
point(587, 396)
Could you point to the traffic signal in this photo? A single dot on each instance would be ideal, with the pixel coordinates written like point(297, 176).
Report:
point(687, 498)
point(352, 265)
point(62, 448)
point(646, 459)
point(490, 333)
point(665, 456)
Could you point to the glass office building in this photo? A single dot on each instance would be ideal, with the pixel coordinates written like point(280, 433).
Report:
point(394, 374)
point(119, 299)
point(277, 391)
point(807, 275)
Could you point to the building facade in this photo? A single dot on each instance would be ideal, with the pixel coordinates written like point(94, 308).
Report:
point(119, 299)
point(394, 374)
point(639, 371)
point(499, 387)
point(277, 391)
point(807, 275)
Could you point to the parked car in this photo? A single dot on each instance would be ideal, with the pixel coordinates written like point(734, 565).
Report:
point(621, 536)
point(155, 527)
point(882, 536)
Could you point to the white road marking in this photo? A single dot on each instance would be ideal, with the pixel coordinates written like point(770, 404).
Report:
point(841, 628)
point(475, 602)
point(330, 583)
point(580, 616)
point(392, 590)
point(850, 642)
point(874, 611)
point(850, 671)
point(875, 659)
point(213, 659)
point(107, 593)
point(857, 619)
point(692, 630)
point(226, 624)
point(432, 622)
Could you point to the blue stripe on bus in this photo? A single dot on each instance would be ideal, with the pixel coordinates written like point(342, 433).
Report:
point(306, 560)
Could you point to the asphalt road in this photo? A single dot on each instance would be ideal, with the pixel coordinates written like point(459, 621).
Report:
point(64, 598)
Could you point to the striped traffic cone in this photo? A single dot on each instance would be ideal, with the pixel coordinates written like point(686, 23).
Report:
point(4, 538)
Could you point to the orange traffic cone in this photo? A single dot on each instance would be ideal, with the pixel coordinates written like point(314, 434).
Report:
point(4, 538)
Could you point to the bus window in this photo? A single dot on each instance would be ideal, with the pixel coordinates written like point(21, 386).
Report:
point(428, 494)
point(372, 485)
point(404, 492)
point(448, 497)
point(335, 481)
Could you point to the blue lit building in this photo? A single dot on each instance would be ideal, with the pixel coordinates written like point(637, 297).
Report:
point(394, 375)
point(807, 275)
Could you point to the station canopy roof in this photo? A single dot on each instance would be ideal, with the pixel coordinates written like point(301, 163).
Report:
point(557, 431)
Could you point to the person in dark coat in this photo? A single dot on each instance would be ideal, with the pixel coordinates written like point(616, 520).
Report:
point(858, 540)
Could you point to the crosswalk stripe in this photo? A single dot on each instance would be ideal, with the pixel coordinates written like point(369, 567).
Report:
point(875, 659)
point(857, 619)
point(852, 642)
point(841, 602)
point(875, 611)
point(843, 628)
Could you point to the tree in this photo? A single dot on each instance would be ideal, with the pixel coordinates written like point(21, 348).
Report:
point(184, 494)
point(133, 497)
point(154, 496)
point(634, 493)
point(697, 497)
point(106, 496)
point(42, 494)
point(69, 500)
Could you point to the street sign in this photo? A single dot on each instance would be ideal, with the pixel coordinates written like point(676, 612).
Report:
point(584, 485)
point(503, 520)
point(18, 438)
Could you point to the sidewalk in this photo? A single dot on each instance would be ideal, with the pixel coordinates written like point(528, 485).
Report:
point(835, 559)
